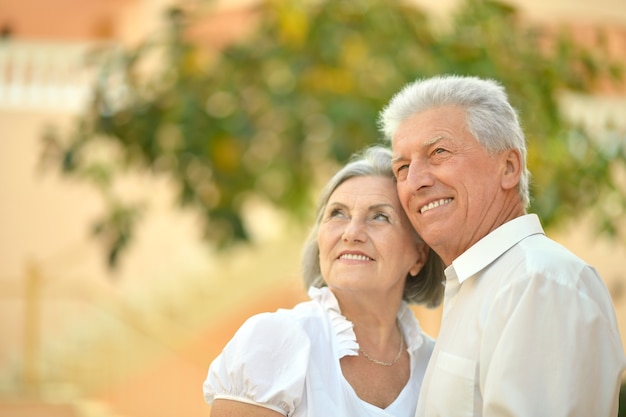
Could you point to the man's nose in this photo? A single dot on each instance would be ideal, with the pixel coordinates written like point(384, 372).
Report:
point(418, 176)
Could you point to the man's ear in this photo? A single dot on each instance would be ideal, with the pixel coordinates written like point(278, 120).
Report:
point(422, 251)
point(512, 169)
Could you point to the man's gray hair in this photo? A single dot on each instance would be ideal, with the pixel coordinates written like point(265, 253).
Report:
point(490, 117)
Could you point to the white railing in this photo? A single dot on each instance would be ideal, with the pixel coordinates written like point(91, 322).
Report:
point(45, 75)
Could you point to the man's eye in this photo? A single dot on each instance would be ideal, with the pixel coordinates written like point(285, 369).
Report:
point(439, 151)
point(401, 168)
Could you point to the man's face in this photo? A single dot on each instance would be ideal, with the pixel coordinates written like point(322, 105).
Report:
point(448, 184)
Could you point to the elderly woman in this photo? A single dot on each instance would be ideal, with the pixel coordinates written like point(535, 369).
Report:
point(354, 349)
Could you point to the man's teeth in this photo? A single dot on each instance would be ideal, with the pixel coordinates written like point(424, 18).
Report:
point(435, 204)
point(354, 257)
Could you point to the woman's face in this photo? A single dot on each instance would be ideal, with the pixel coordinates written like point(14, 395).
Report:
point(365, 240)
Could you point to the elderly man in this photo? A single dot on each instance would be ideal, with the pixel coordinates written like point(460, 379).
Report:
point(528, 328)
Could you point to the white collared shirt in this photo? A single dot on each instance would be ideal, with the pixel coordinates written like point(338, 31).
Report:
point(288, 361)
point(528, 330)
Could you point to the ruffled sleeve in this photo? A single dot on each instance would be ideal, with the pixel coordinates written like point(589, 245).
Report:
point(265, 364)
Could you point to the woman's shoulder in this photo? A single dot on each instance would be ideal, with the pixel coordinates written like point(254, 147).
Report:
point(264, 363)
point(290, 322)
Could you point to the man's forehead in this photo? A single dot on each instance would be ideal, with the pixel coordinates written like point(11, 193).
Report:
point(397, 154)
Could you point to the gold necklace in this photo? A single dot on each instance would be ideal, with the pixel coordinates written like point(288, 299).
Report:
point(377, 362)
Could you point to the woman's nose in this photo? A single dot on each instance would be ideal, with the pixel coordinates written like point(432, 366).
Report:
point(354, 231)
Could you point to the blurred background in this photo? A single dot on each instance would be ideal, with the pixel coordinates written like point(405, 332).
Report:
point(160, 160)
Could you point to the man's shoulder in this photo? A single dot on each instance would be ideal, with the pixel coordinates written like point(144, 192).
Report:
point(540, 251)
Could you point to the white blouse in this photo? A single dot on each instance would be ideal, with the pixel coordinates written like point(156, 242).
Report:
point(288, 361)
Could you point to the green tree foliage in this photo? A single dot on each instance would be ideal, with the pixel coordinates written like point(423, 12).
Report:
point(262, 115)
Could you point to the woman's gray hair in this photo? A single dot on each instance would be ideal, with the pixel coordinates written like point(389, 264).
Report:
point(424, 288)
point(490, 117)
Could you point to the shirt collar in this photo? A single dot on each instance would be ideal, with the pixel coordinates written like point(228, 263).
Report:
point(492, 246)
point(343, 328)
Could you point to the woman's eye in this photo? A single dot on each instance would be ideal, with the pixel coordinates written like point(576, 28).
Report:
point(335, 213)
point(381, 216)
